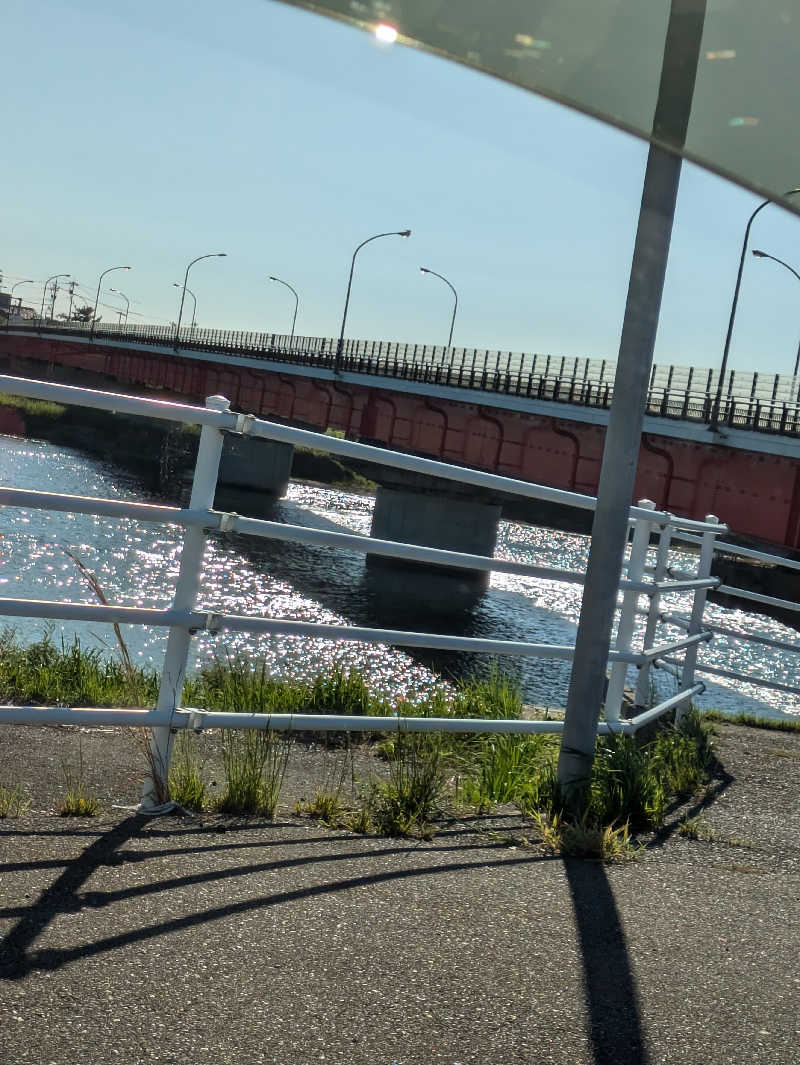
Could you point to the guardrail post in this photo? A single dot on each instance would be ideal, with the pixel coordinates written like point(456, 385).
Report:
point(662, 560)
point(204, 484)
point(627, 616)
point(698, 608)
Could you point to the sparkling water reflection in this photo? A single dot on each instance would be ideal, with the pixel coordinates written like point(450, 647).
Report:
point(138, 566)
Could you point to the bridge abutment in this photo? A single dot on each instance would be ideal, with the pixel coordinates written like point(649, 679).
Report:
point(254, 473)
point(418, 510)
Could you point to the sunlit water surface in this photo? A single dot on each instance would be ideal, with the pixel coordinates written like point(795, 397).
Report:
point(137, 565)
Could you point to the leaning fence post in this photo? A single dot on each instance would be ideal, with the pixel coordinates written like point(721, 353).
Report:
point(204, 484)
point(627, 616)
point(698, 609)
point(662, 560)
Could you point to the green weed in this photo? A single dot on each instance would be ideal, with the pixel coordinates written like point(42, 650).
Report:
point(39, 407)
point(186, 784)
point(585, 838)
point(13, 802)
point(405, 804)
point(69, 675)
point(340, 692)
point(76, 802)
point(255, 763)
point(328, 804)
point(752, 721)
point(359, 820)
point(697, 828)
point(624, 786)
point(504, 768)
point(325, 806)
point(495, 696)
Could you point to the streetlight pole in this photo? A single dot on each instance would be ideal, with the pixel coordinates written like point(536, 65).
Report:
point(296, 300)
point(340, 345)
point(718, 398)
point(211, 255)
point(44, 292)
point(763, 255)
point(127, 304)
point(425, 270)
point(194, 303)
point(11, 307)
point(97, 296)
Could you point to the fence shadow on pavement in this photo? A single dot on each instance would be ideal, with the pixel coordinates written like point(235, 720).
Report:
point(613, 1018)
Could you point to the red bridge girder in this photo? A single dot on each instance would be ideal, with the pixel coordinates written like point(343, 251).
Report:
point(757, 494)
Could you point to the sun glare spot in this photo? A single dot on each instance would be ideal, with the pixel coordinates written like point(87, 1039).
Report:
point(385, 33)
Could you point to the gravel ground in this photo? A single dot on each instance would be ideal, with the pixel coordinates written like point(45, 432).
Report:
point(182, 941)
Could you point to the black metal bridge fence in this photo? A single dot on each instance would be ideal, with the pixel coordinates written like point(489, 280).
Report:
point(766, 403)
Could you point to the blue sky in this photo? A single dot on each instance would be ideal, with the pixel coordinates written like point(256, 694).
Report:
point(155, 132)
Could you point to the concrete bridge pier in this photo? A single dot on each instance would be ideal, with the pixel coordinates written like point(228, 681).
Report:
point(253, 473)
point(433, 513)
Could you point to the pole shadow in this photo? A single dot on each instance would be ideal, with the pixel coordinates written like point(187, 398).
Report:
point(612, 999)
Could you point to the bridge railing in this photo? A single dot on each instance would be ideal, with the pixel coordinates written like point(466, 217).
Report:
point(186, 617)
point(758, 402)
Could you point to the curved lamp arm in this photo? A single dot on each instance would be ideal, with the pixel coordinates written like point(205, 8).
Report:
point(393, 233)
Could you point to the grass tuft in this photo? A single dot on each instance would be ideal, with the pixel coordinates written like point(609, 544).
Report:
point(326, 806)
point(76, 802)
point(187, 786)
point(405, 804)
point(13, 802)
point(255, 763)
point(771, 724)
point(505, 769)
point(697, 828)
point(585, 838)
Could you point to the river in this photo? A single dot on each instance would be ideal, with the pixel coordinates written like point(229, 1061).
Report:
point(137, 565)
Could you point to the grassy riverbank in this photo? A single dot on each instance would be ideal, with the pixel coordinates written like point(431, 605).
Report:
point(411, 779)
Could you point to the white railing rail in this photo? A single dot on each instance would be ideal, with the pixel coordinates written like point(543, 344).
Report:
point(732, 634)
point(185, 617)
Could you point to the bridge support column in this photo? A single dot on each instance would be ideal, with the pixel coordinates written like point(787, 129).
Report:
point(444, 517)
point(253, 473)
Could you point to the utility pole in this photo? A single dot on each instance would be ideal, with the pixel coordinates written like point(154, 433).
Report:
point(72, 285)
point(624, 433)
point(53, 300)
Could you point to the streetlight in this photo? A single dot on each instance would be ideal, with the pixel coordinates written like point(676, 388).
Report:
point(724, 366)
point(11, 307)
point(194, 305)
point(425, 270)
point(127, 303)
point(394, 233)
point(791, 269)
point(44, 292)
point(211, 255)
point(296, 300)
point(97, 297)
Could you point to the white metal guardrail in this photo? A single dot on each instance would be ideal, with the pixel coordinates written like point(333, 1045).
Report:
point(747, 595)
point(185, 617)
